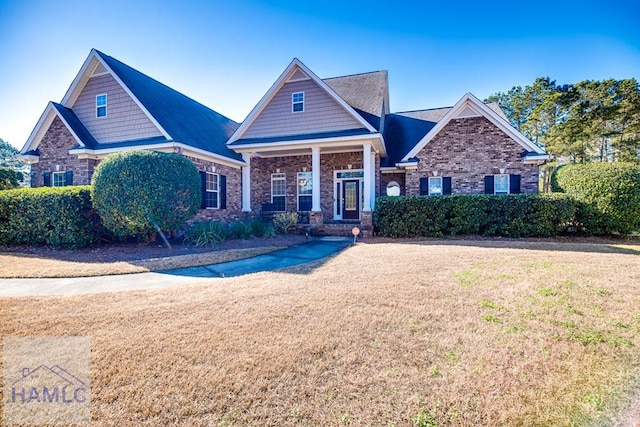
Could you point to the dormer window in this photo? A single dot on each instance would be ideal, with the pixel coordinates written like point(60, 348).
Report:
point(297, 102)
point(101, 105)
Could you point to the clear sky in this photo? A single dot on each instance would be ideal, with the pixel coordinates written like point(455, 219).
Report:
point(226, 54)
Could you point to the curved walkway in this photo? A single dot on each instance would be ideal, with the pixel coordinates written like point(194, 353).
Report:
point(315, 249)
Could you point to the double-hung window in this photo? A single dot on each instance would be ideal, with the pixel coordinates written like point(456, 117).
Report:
point(59, 179)
point(305, 182)
point(501, 184)
point(297, 102)
point(435, 186)
point(278, 192)
point(101, 105)
point(212, 191)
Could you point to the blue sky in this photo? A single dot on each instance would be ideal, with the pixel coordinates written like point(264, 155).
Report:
point(226, 54)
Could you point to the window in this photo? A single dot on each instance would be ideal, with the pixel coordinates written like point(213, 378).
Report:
point(305, 187)
point(212, 191)
point(297, 102)
point(435, 186)
point(101, 105)
point(59, 179)
point(278, 192)
point(501, 184)
point(393, 189)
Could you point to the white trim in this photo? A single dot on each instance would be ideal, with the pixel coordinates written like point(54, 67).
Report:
point(470, 101)
point(282, 176)
point(375, 139)
point(42, 127)
point(170, 147)
point(315, 177)
point(83, 77)
point(246, 183)
point(279, 83)
point(390, 169)
point(367, 166)
point(217, 207)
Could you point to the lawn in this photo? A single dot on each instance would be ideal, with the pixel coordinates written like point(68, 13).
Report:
point(432, 333)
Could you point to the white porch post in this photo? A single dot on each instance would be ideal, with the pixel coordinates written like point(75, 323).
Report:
point(366, 160)
point(315, 179)
point(246, 183)
point(373, 180)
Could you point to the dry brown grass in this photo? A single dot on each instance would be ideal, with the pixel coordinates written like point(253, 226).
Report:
point(30, 266)
point(474, 335)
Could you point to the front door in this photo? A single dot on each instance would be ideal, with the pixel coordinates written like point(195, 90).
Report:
point(351, 200)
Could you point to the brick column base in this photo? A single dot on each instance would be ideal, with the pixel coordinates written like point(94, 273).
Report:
point(366, 229)
point(315, 219)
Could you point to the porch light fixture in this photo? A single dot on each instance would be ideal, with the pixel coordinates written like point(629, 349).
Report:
point(434, 173)
point(57, 168)
point(304, 169)
point(277, 170)
point(502, 170)
point(349, 166)
point(213, 169)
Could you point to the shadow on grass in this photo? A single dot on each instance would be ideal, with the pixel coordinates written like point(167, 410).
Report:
point(591, 245)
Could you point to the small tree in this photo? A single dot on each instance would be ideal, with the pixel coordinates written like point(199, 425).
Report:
point(139, 192)
point(9, 178)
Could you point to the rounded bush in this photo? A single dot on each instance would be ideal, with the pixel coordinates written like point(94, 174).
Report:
point(609, 192)
point(139, 192)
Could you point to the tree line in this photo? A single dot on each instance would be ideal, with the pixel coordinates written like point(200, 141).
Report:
point(589, 121)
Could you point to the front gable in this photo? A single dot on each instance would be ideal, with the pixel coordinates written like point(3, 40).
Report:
point(322, 110)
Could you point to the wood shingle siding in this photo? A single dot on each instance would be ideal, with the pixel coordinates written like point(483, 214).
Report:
point(125, 120)
point(321, 114)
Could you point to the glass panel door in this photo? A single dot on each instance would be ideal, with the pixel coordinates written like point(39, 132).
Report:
point(351, 200)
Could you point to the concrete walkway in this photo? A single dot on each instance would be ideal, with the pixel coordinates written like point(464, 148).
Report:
point(315, 249)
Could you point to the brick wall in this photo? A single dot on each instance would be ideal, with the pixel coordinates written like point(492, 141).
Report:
point(261, 170)
point(233, 211)
point(467, 150)
point(54, 156)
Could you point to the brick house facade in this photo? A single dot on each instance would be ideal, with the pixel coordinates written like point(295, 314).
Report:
point(328, 147)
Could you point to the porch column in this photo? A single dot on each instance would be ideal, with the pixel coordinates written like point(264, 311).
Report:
point(246, 183)
point(373, 180)
point(315, 179)
point(366, 160)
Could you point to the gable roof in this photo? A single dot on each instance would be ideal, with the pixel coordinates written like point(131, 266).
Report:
point(293, 70)
point(179, 118)
point(367, 93)
point(467, 106)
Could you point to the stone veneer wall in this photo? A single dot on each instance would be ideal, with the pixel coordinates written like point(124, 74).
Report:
point(468, 149)
point(54, 151)
point(262, 168)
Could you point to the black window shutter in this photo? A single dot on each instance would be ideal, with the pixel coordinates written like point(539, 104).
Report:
point(488, 184)
point(446, 185)
point(223, 192)
point(47, 179)
point(514, 184)
point(203, 186)
point(68, 179)
point(424, 186)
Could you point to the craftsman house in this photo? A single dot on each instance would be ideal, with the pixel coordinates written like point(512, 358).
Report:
point(325, 148)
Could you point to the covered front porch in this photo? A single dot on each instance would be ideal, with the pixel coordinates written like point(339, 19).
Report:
point(331, 184)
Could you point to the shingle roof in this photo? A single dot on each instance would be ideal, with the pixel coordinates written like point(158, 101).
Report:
point(184, 119)
point(76, 125)
point(364, 92)
point(301, 137)
point(406, 129)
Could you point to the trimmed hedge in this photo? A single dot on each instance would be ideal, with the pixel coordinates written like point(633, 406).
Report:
point(516, 215)
point(609, 192)
point(140, 192)
point(58, 217)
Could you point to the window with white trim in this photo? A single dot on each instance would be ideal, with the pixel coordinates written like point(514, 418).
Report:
point(101, 105)
point(59, 179)
point(279, 192)
point(435, 186)
point(305, 190)
point(501, 184)
point(212, 191)
point(297, 102)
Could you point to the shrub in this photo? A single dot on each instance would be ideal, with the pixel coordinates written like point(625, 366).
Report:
point(9, 178)
point(260, 228)
point(207, 233)
point(284, 222)
point(516, 215)
point(609, 194)
point(58, 217)
point(139, 192)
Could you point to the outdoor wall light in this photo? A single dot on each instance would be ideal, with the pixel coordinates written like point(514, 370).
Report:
point(435, 173)
point(349, 166)
point(502, 170)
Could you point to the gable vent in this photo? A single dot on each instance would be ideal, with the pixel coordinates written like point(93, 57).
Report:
point(99, 70)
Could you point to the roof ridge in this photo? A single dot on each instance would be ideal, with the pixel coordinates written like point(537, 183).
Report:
point(357, 74)
point(420, 111)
